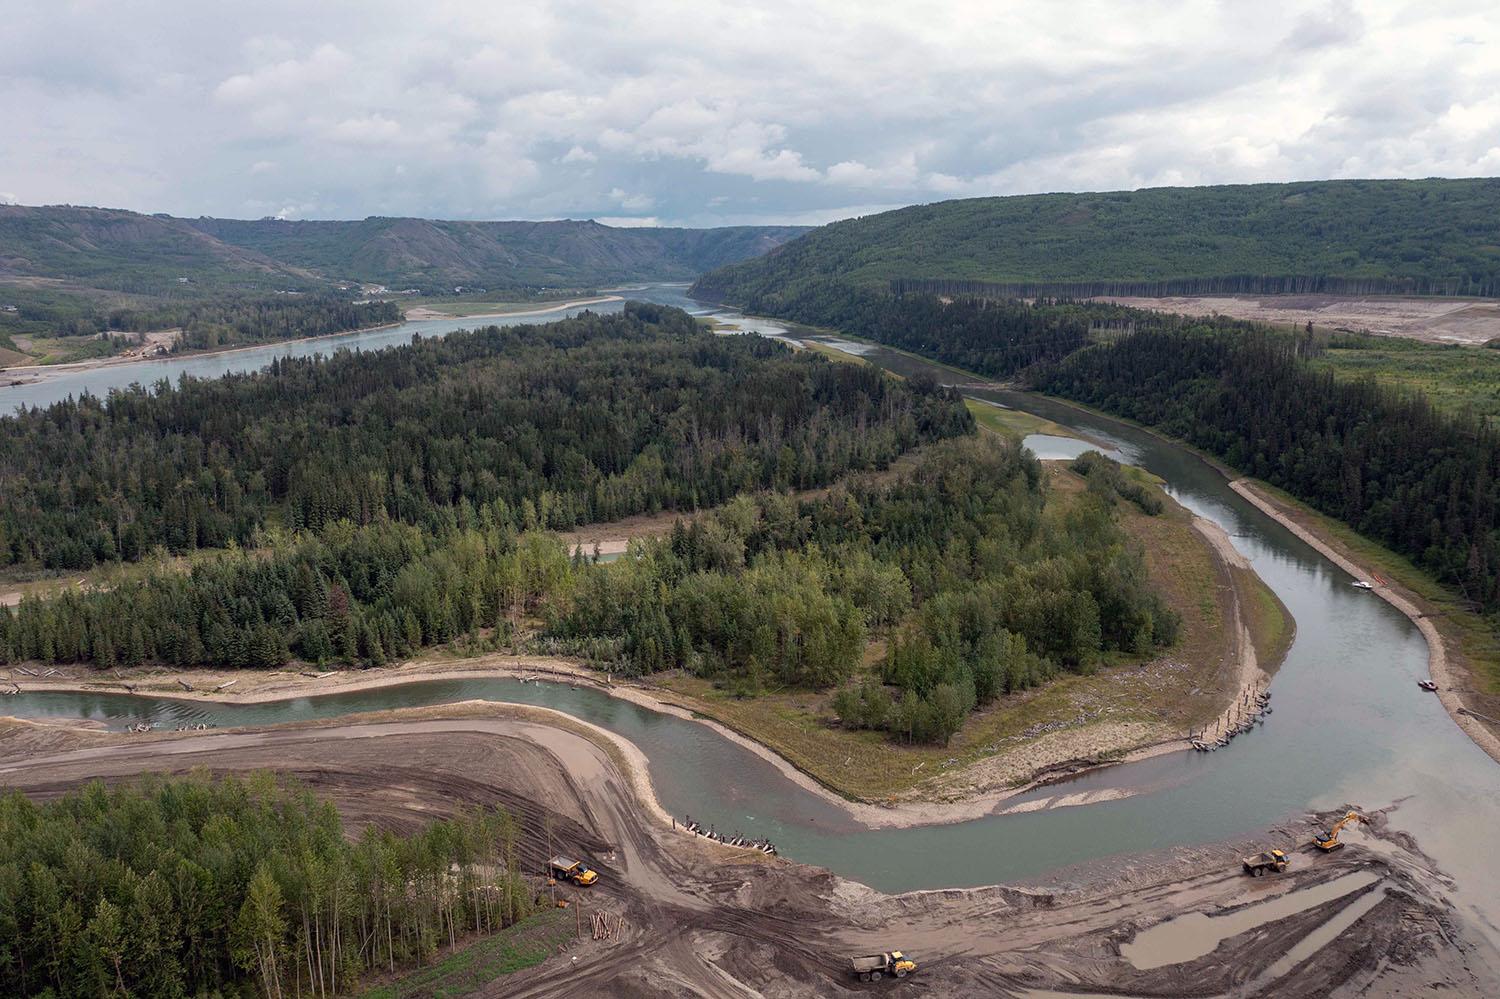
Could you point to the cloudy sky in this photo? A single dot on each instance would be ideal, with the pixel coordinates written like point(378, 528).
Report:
point(706, 112)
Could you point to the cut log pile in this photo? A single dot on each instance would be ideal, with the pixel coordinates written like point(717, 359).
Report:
point(606, 925)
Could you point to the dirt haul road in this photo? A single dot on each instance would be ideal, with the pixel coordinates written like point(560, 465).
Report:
point(702, 919)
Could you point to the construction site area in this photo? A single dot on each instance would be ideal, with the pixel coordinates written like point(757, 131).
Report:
point(670, 912)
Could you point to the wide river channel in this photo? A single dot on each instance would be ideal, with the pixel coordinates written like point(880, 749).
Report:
point(1349, 725)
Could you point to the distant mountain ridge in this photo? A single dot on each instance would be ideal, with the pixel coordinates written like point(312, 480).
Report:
point(125, 251)
point(155, 254)
point(564, 253)
point(1354, 236)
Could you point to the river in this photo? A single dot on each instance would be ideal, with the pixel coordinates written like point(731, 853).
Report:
point(1350, 724)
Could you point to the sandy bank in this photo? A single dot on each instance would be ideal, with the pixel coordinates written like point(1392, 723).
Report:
point(1251, 680)
point(1399, 598)
point(421, 312)
point(1057, 755)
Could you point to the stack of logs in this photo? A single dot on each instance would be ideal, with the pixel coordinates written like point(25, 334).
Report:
point(763, 845)
point(606, 925)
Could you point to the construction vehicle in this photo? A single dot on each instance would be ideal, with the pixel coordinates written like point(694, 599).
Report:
point(1328, 839)
point(877, 966)
point(568, 869)
point(1271, 860)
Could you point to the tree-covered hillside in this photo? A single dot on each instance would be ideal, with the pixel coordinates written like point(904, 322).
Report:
point(105, 248)
point(1357, 236)
point(437, 256)
point(157, 255)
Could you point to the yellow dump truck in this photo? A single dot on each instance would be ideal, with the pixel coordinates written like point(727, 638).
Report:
point(1271, 860)
point(568, 869)
point(877, 966)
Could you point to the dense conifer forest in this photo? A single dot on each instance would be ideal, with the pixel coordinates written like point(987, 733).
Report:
point(192, 887)
point(981, 587)
point(378, 503)
point(586, 420)
point(1379, 457)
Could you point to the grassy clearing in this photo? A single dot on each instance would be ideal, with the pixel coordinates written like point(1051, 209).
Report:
point(1013, 423)
point(1164, 696)
point(1271, 625)
point(470, 967)
point(1456, 378)
point(59, 350)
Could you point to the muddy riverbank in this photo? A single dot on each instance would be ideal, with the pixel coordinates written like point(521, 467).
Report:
point(708, 920)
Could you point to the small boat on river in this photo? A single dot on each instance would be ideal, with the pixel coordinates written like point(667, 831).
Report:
point(1361, 584)
point(1427, 685)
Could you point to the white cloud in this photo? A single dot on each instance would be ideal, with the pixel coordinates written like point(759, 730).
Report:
point(373, 129)
point(629, 221)
point(631, 202)
point(326, 65)
point(707, 110)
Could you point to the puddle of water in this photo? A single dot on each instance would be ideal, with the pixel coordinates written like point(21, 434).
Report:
point(1309, 945)
point(1322, 936)
point(1197, 934)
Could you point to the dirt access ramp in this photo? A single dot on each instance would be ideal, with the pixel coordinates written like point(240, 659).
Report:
point(1436, 320)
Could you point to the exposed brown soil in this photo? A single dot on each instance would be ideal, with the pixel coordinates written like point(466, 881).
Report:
point(707, 920)
point(1436, 320)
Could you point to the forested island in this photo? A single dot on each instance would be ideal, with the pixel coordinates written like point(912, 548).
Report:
point(375, 504)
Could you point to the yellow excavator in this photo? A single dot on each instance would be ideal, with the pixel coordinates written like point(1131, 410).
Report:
point(1328, 839)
